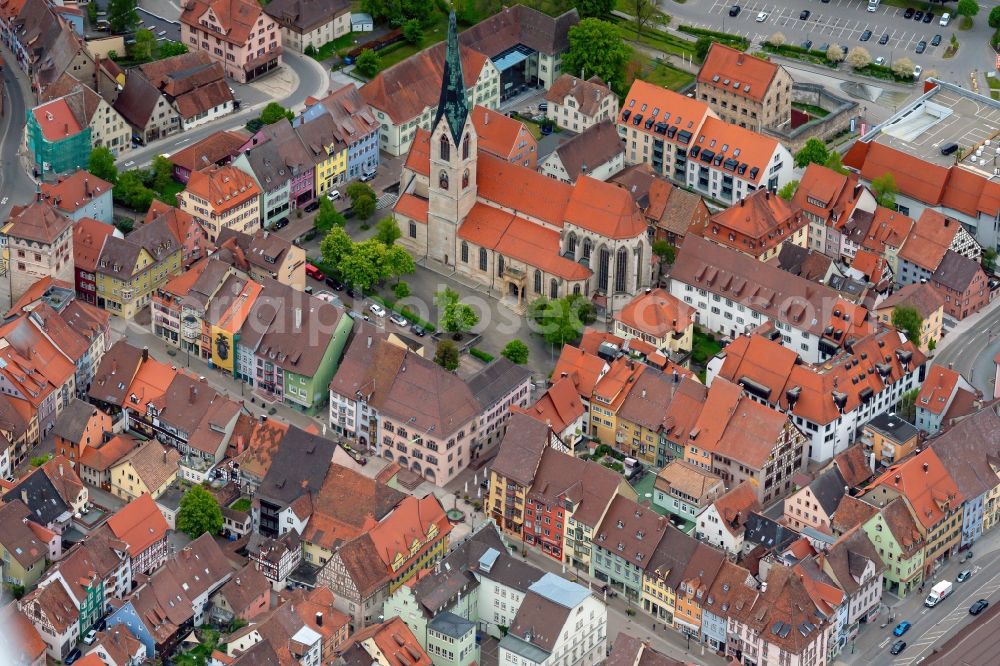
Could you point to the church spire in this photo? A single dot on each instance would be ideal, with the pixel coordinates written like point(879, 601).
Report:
point(453, 105)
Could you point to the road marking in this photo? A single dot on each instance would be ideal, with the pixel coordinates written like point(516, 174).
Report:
point(885, 642)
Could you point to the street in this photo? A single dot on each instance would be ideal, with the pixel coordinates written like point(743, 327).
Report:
point(16, 187)
point(970, 348)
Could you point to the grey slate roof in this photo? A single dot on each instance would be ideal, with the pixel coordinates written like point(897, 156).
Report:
point(268, 166)
point(768, 533)
point(298, 466)
point(895, 428)
point(137, 100)
point(496, 380)
point(73, 420)
point(40, 496)
point(956, 271)
point(305, 15)
point(452, 625)
point(590, 148)
point(521, 448)
point(829, 487)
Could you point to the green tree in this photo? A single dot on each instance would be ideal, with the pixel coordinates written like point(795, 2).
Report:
point(92, 14)
point(664, 251)
point(967, 9)
point(363, 266)
point(516, 352)
point(597, 48)
point(169, 48)
point(413, 32)
point(144, 46)
point(125, 225)
point(594, 8)
point(163, 173)
point(907, 406)
point(702, 46)
point(336, 246)
point(989, 260)
point(456, 317)
point(254, 124)
point(387, 230)
point(561, 320)
point(446, 355)
point(311, 51)
point(368, 63)
point(122, 15)
point(642, 12)
point(327, 217)
point(909, 321)
point(884, 188)
point(102, 164)
point(363, 207)
point(833, 162)
point(814, 151)
point(358, 189)
point(787, 190)
point(397, 262)
point(199, 513)
point(274, 112)
point(131, 191)
point(401, 290)
point(994, 19)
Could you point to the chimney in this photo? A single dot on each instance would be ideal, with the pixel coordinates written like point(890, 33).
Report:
point(741, 203)
point(164, 455)
point(61, 469)
point(114, 365)
point(193, 394)
point(298, 317)
point(926, 466)
point(145, 354)
point(486, 119)
point(643, 395)
point(739, 59)
point(24, 496)
point(319, 619)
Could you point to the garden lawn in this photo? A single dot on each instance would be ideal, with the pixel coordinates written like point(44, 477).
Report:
point(669, 76)
point(653, 38)
point(704, 347)
point(330, 49)
point(169, 193)
point(242, 504)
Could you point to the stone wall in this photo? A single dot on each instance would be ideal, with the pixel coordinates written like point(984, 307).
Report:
point(841, 111)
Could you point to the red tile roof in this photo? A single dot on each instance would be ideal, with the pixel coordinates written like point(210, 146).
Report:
point(585, 369)
point(404, 90)
point(39, 222)
point(139, 524)
point(74, 192)
point(889, 229)
point(210, 150)
point(588, 94)
point(519, 239)
point(937, 389)
point(925, 482)
point(56, 120)
point(927, 243)
point(515, 187)
point(755, 225)
point(223, 187)
point(237, 17)
point(413, 207)
point(656, 313)
point(736, 506)
point(604, 209)
point(23, 641)
point(750, 75)
point(497, 133)
point(558, 407)
point(88, 240)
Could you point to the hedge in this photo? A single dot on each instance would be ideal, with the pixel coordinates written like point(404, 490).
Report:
point(737, 41)
point(481, 355)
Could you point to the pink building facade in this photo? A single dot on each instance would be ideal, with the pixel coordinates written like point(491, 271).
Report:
point(236, 33)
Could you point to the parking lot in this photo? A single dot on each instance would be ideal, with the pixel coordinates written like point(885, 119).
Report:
point(839, 21)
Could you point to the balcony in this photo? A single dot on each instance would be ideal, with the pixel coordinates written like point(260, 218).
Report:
point(515, 274)
point(888, 453)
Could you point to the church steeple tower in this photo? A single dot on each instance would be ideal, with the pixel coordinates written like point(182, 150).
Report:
point(453, 148)
point(453, 105)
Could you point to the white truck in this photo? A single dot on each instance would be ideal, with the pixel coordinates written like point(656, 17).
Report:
point(938, 593)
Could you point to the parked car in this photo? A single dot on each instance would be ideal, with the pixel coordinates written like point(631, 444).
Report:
point(945, 19)
point(418, 330)
point(281, 224)
point(917, 71)
point(314, 273)
point(334, 284)
point(376, 310)
point(978, 607)
point(880, 60)
point(909, 12)
point(804, 14)
point(333, 195)
point(928, 17)
point(918, 15)
point(808, 44)
point(357, 316)
point(734, 10)
point(866, 35)
point(963, 576)
point(761, 17)
point(935, 40)
point(399, 320)
point(901, 628)
point(543, 107)
point(967, 556)
point(367, 175)
point(824, 47)
point(90, 637)
point(311, 207)
point(72, 657)
point(897, 647)
point(921, 46)
point(884, 39)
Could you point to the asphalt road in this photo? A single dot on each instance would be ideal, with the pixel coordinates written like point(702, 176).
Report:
point(843, 22)
point(15, 185)
point(931, 626)
point(971, 350)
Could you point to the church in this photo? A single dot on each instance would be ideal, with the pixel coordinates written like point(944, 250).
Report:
point(508, 227)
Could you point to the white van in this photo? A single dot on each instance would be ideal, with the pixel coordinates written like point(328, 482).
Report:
point(872, 5)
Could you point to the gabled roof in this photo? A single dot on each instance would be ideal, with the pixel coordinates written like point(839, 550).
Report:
point(630, 531)
point(920, 296)
point(850, 513)
point(736, 506)
point(39, 494)
point(74, 192)
point(22, 642)
point(938, 389)
point(558, 407)
point(589, 486)
point(656, 313)
point(751, 76)
point(306, 15)
point(521, 25)
point(521, 450)
point(153, 463)
point(236, 17)
point(926, 484)
point(828, 488)
point(957, 272)
point(224, 187)
point(88, 242)
point(970, 451)
point(496, 133)
point(802, 262)
point(584, 368)
point(139, 524)
point(929, 240)
point(593, 147)
point(38, 222)
point(631, 651)
point(213, 149)
point(137, 100)
point(297, 468)
point(73, 421)
point(588, 94)
point(17, 536)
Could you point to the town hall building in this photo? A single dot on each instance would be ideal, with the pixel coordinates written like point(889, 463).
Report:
point(509, 227)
